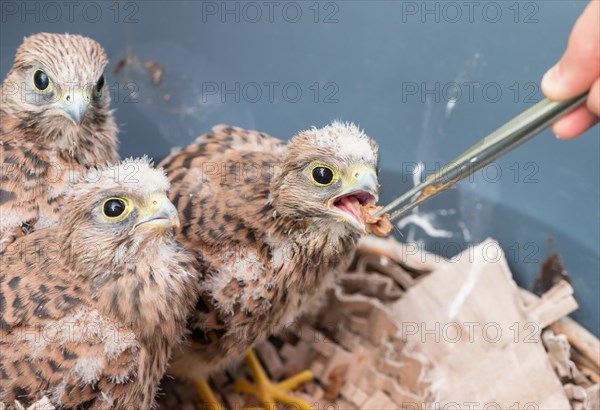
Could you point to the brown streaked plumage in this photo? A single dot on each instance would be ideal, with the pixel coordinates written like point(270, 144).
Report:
point(47, 137)
point(92, 307)
point(270, 239)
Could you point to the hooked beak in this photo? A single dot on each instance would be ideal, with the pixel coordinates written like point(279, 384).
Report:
point(161, 213)
point(362, 191)
point(75, 104)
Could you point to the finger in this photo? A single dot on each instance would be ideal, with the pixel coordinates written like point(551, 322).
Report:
point(593, 101)
point(574, 123)
point(579, 66)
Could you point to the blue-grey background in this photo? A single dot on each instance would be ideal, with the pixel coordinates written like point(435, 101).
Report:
point(394, 67)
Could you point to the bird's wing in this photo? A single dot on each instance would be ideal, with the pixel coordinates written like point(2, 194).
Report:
point(52, 341)
point(33, 180)
point(221, 187)
point(240, 139)
point(216, 145)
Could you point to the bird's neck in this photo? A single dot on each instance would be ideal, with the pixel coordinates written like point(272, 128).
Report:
point(312, 250)
point(93, 142)
point(152, 290)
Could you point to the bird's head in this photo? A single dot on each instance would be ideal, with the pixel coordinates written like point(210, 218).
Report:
point(58, 81)
point(329, 173)
point(116, 214)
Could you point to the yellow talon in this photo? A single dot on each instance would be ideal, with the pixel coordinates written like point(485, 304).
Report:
point(209, 401)
point(270, 394)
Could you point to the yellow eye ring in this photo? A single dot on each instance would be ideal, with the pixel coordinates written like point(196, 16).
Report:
point(41, 81)
point(116, 208)
point(323, 174)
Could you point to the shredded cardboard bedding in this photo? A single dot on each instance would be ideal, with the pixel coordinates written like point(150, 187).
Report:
point(407, 328)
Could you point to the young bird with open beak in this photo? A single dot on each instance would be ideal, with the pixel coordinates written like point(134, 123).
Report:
point(272, 223)
point(55, 121)
point(91, 308)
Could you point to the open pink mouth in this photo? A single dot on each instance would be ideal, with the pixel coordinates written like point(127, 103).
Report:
point(350, 204)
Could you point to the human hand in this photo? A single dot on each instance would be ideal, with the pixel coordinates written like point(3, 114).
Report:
point(578, 71)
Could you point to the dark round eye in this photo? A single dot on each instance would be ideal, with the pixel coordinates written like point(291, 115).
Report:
point(100, 83)
point(114, 207)
point(322, 175)
point(40, 80)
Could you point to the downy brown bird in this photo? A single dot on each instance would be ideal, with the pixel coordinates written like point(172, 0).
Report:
point(90, 308)
point(55, 121)
point(271, 223)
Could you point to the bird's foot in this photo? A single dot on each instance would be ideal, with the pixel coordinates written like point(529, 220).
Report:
point(270, 394)
point(209, 401)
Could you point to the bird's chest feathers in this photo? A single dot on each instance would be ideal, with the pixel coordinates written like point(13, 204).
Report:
point(278, 282)
point(306, 265)
point(91, 143)
point(312, 252)
point(90, 146)
point(152, 297)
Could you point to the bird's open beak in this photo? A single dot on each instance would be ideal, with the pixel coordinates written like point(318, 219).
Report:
point(75, 104)
point(362, 190)
point(160, 213)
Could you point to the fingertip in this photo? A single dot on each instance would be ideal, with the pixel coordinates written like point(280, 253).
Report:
point(593, 101)
point(551, 83)
point(574, 123)
point(562, 132)
point(579, 66)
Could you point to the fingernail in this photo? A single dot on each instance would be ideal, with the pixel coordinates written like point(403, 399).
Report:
point(556, 134)
point(551, 80)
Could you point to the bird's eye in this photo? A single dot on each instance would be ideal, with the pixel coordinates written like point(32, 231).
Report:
point(40, 80)
point(115, 207)
point(323, 175)
point(100, 84)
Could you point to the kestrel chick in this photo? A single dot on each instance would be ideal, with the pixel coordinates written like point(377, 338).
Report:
point(91, 307)
point(54, 121)
point(272, 222)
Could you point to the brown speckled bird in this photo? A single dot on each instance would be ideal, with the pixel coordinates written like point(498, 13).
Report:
point(91, 307)
point(54, 121)
point(271, 223)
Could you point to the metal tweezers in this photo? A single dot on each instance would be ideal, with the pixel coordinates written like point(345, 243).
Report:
point(514, 133)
